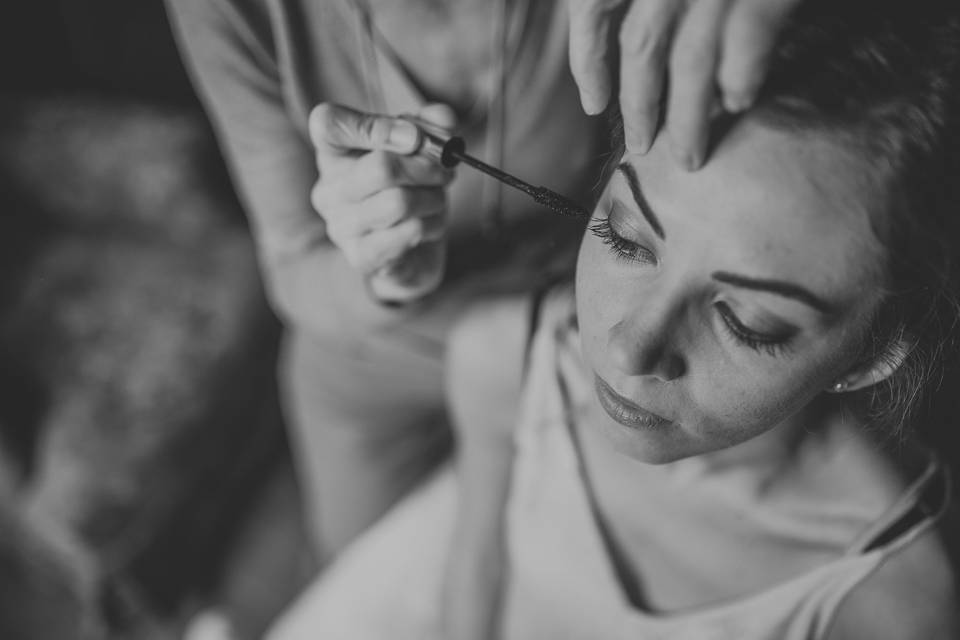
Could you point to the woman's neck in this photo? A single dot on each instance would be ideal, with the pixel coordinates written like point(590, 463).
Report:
point(680, 533)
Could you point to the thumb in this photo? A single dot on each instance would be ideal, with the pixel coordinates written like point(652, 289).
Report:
point(435, 118)
point(335, 129)
point(589, 46)
point(439, 117)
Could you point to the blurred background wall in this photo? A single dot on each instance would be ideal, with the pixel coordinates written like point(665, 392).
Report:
point(144, 475)
point(113, 45)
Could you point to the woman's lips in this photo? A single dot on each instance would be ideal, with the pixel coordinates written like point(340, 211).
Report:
point(624, 411)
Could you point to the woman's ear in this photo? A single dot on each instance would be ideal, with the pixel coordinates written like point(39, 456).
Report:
point(877, 369)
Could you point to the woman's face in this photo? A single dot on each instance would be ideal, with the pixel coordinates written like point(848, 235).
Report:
point(715, 305)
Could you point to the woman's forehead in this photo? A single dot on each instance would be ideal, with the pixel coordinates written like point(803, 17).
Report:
point(790, 204)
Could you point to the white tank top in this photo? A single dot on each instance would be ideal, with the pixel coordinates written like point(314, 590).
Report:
point(563, 584)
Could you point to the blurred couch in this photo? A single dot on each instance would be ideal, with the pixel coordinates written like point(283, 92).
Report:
point(139, 430)
point(137, 410)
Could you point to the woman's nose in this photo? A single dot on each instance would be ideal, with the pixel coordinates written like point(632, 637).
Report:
point(644, 345)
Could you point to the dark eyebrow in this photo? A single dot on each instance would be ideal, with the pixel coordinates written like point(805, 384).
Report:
point(779, 287)
point(630, 174)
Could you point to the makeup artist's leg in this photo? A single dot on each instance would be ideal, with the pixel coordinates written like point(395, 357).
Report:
point(366, 420)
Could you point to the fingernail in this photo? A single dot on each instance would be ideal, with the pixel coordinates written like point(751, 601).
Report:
point(638, 141)
point(591, 103)
point(404, 136)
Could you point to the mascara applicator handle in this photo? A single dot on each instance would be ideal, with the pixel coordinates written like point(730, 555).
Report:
point(443, 151)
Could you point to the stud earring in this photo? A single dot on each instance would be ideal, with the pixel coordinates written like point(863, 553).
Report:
point(840, 386)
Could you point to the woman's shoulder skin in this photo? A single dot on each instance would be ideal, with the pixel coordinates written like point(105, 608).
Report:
point(484, 363)
point(484, 370)
point(913, 594)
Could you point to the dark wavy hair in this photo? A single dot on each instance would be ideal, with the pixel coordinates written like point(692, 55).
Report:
point(884, 79)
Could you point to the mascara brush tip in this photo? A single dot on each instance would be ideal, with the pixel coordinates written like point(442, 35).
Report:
point(559, 204)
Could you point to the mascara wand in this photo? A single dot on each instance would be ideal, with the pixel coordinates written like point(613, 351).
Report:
point(452, 152)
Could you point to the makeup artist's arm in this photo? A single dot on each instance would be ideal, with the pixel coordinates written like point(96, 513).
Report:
point(706, 47)
point(484, 376)
point(231, 58)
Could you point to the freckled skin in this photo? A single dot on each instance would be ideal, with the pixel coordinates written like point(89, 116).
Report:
point(771, 205)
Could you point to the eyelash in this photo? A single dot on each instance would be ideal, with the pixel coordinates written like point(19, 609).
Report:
point(740, 333)
point(620, 247)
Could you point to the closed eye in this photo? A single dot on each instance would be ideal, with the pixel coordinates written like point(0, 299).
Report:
point(620, 247)
point(756, 340)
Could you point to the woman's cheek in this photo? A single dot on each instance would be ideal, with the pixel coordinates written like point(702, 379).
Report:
point(738, 405)
point(590, 296)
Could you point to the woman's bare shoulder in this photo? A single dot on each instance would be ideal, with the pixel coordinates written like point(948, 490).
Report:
point(485, 363)
point(912, 595)
point(488, 354)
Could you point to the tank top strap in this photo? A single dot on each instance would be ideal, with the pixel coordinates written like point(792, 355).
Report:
point(922, 504)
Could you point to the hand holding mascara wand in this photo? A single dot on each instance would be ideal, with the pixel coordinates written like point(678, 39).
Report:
point(419, 270)
point(452, 152)
point(386, 211)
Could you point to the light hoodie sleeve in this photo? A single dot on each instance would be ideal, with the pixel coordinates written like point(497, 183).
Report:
point(228, 49)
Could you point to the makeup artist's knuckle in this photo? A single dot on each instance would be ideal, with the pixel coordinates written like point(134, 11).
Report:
point(343, 220)
point(643, 42)
point(414, 232)
point(690, 61)
point(364, 257)
point(337, 237)
point(640, 103)
point(383, 167)
point(378, 215)
point(353, 225)
point(396, 202)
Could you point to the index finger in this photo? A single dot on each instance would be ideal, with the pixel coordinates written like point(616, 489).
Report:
point(589, 49)
point(336, 130)
point(644, 43)
point(693, 66)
